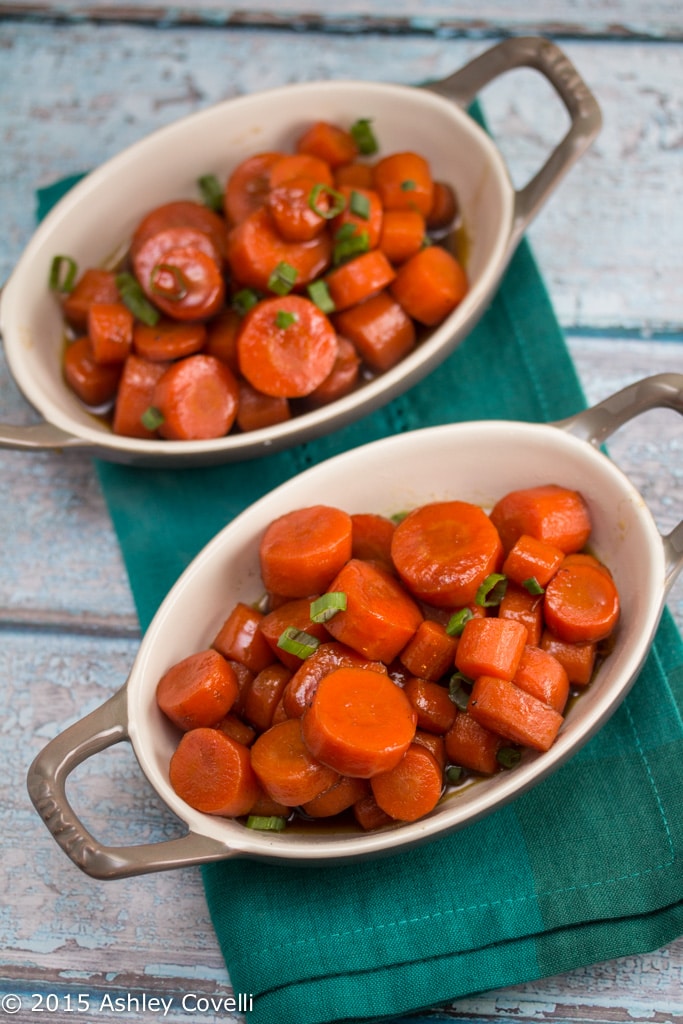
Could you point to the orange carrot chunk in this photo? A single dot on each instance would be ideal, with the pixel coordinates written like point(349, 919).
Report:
point(444, 208)
point(531, 559)
point(339, 797)
point(403, 234)
point(239, 638)
point(198, 690)
point(110, 329)
point(256, 250)
point(168, 339)
point(581, 604)
point(341, 379)
point(248, 185)
point(578, 660)
point(370, 815)
point(429, 285)
point(380, 329)
point(412, 788)
point(328, 142)
point(256, 411)
point(302, 551)
point(301, 688)
point(472, 746)
point(499, 705)
point(431, 651)
point(94, 285)
point(94, 383)
point(371, 538)
point(434, 708)
point(197, 399)
point(212, 773)
point(263, 695)
point(359, 279)
point(296, 615)
point(362, 210)
point(404, 182)
point(519, 604)
point(542, 675)
point(490, 646)
point(554, 514)
point(285, 766)
point(436, 745)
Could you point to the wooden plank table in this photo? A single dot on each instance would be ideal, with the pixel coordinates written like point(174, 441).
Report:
point(81, 81)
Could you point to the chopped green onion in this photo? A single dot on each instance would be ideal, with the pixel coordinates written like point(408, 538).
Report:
point(453, 773)
point(364, 137)
point(492, 591)
point(152, 418)
point(336, 206)
point(133, 297)
point(266, 822)
point(284, 319)
point(298, 642)
point(348, 244)
point(283, 278)
point(508, 757)
point(359, 204)
point(459, 688)
point(244, 300)
point(175, 292)
point(212, 191)
point(319, 293)
point(408, 185)
point(456, 623)
point(323, 608)
point(398, 517)
point(533, 586)
point(61, 280)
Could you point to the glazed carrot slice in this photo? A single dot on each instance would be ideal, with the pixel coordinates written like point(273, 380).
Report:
point(212, 773)
point(436, 745)
point(583, 558)
point(197, 398)
point(380, 617)
point(186, 284)
point(522, 606)
point(370, 815)
point(239, 638)
point(286, 347)
point(342, 378)
point(266, 807)
point(444, 551)
point(94, 383)
point(554, 514)
point(256, 411)
point(403, 234)
point(490, 646)
point(434, 708)
point(359, 723)
point(94, 285)
point(354, 173)
point(404, 182)
point(381, 331)
point(244, 677)
point(263, 695)
point(430, 653)
point(363, 211)
point(221, 337)
point(298, 165)
point(295, 614)
point(338, 798)
point(430, 285)
point(329, 142)
point(541, 674)
point(329, 656)
point(168, 339)
point(472, 746)
point(532, 559)
point(581, 604)
point(256, 250)
point(359, 279)
point(294, 206)
point(152, 251)
point(499, 705)
point(197, 691)
point(302, 551)
point(412, 788)
point(578, 660)
point(135, 396)
point(285, 766)
point(371, 536)
point(444, 208)
point(110, 329)
point(248, 185)
point(238, 730)
point(181, 213)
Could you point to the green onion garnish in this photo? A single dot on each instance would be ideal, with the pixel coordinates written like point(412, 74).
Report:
point(152, 418)
point(319, 293)
point(266, 822)
point(398, 517)
point(298, 642)
point(492, 591)
point(61, 279)
point(508, 757)
point(459, 689)
point(533, 586)
point(133, 297)
point(364, 137)
point(359, 204)
point(348, 244)
point(284, 319)
point(282, 280)
point(337, 204)
point(453, 774)
point(456, 623)
point(323, 608)
point(212, 191)
point(173, 292)
point(244, 300)
point(408, 185)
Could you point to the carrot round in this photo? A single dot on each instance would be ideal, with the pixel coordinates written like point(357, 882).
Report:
point(412, 788)
point(186, 284)
point(302, 551)
point(339, 797)
point(256, 249)
point(429, 285)
point(221, 337)
point(94, 285)
point(300, 165)
point(430, 653)
point(581, 604)
point(354, 173)
point(110, 329)
point(197, 398)
point(255, 411)
point(371, 538)
point(490, 646)
point(499, 705)
point(94, 383)
point(151, 256)
point(434, 743)
point(291, 206)
point(248, 185)
point(238, 730)
point(522, 606)
point(168, 339)
point(263, 695)
point(381, 331)
point(285, 766)
point(578, 660)
point(369, 815)
point(197, 691)
point(359, 279)
point(212, 772)
point(404, 182)
point(295, 614)
point(362, 210)
point(532, 559)
point(549, 512)
point(181, 213)
point(434, 709)
point(329, 142)
point(135, 396)
point(443, 551)
point(326, 658)
point(444, 208)
point(341, 379)
point(471, 745)
point(239, 638)
point(286, 347)
point(541, 674)
point(359, 723)
point(403, 234)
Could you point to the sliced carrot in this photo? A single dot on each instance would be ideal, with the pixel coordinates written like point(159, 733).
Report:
point(403, 234)
point(152, 255)
point(371, 536)
point(266, 807)
point(186, 284)
point(168, 339)
point(212, 773)
point(256, 411)
point(263, 695)
point(583, 558)
point(302, 551)
point(354, 173)
point(329, 142)
point(244, 677)
point(380, 329)
point(298, 208)
point(285, 766)
point(256, 250)
point(444, 208)
point(430, 653)
point(341, 379)
point(436, 745)
point(297, 615)
point(532, 559)
point(94, 383)
point(430, 285)
point(239, 638)
point(434, 708)
point(554, 514)
point(181, 213)
point(380, 617)
point(248, 185)
point(581, 604)
point(286, 347)
point(359, 722)
point(197, 398)
point(198, 690)
point(221, 337)
point(404, 182)
point(522, 606)
point(298, 165)
point(110, 329)
point(412, 788)
point(499, 705)
point(472, 746)
point(444, 551)
point(542, 675)
point(135, 396)
point(578, 660)
point(362, 210)
point(491, 647)
point(238, 730)
point(370, 815)
point(329, 656)
point(94, 285)
point(338, 798)
point(360, 278)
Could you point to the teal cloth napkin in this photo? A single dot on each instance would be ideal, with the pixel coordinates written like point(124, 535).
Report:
point(585, 867)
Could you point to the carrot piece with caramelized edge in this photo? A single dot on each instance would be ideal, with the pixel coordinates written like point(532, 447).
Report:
point(285, 766)
point(198, 690)
point(263, 695)
point(359, 722)
point(329, 142)
point(412, 788)
point(168, 339)
point(543, 676)
point(221, 337)
point(578, 660)
point(499, 705)
point(431, 651)
point(380, 329)
point(256, 411)
point(301, 688)
point(110, 329)
point(358, 279)
point(444, 208)
point(294, 614)
point(370, 815)
point(429, 285)
point(338, 798)
point(302, 551)
point(531, 559)
point(435, 744)
point(581, 604)
point(403, 234)
point(212, 773)
point(380, 617)
point(233, 726)
point(94, 383)
point(239, 638)
point(248, 186)
point(181, 213)
point(434, 708)
point(371, 538)
point(490, 646)
point(341, 379)
point(472, 746)
point(135, 397)
point(299, 208)
point(197, 399)
point(94, 285)
point(519, 604)
point(256, 249)
point(404, 182)
point(244, 676)
point(554, 514)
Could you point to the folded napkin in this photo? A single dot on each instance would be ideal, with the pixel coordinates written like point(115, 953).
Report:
point(585, 867)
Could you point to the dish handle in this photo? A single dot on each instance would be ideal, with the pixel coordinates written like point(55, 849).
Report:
point(586, 120)
point(38, 437)
point(595, 425)
point(47, 776)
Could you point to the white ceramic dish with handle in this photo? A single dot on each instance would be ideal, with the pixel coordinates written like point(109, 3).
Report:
point(476, 462)
point(96, 218)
